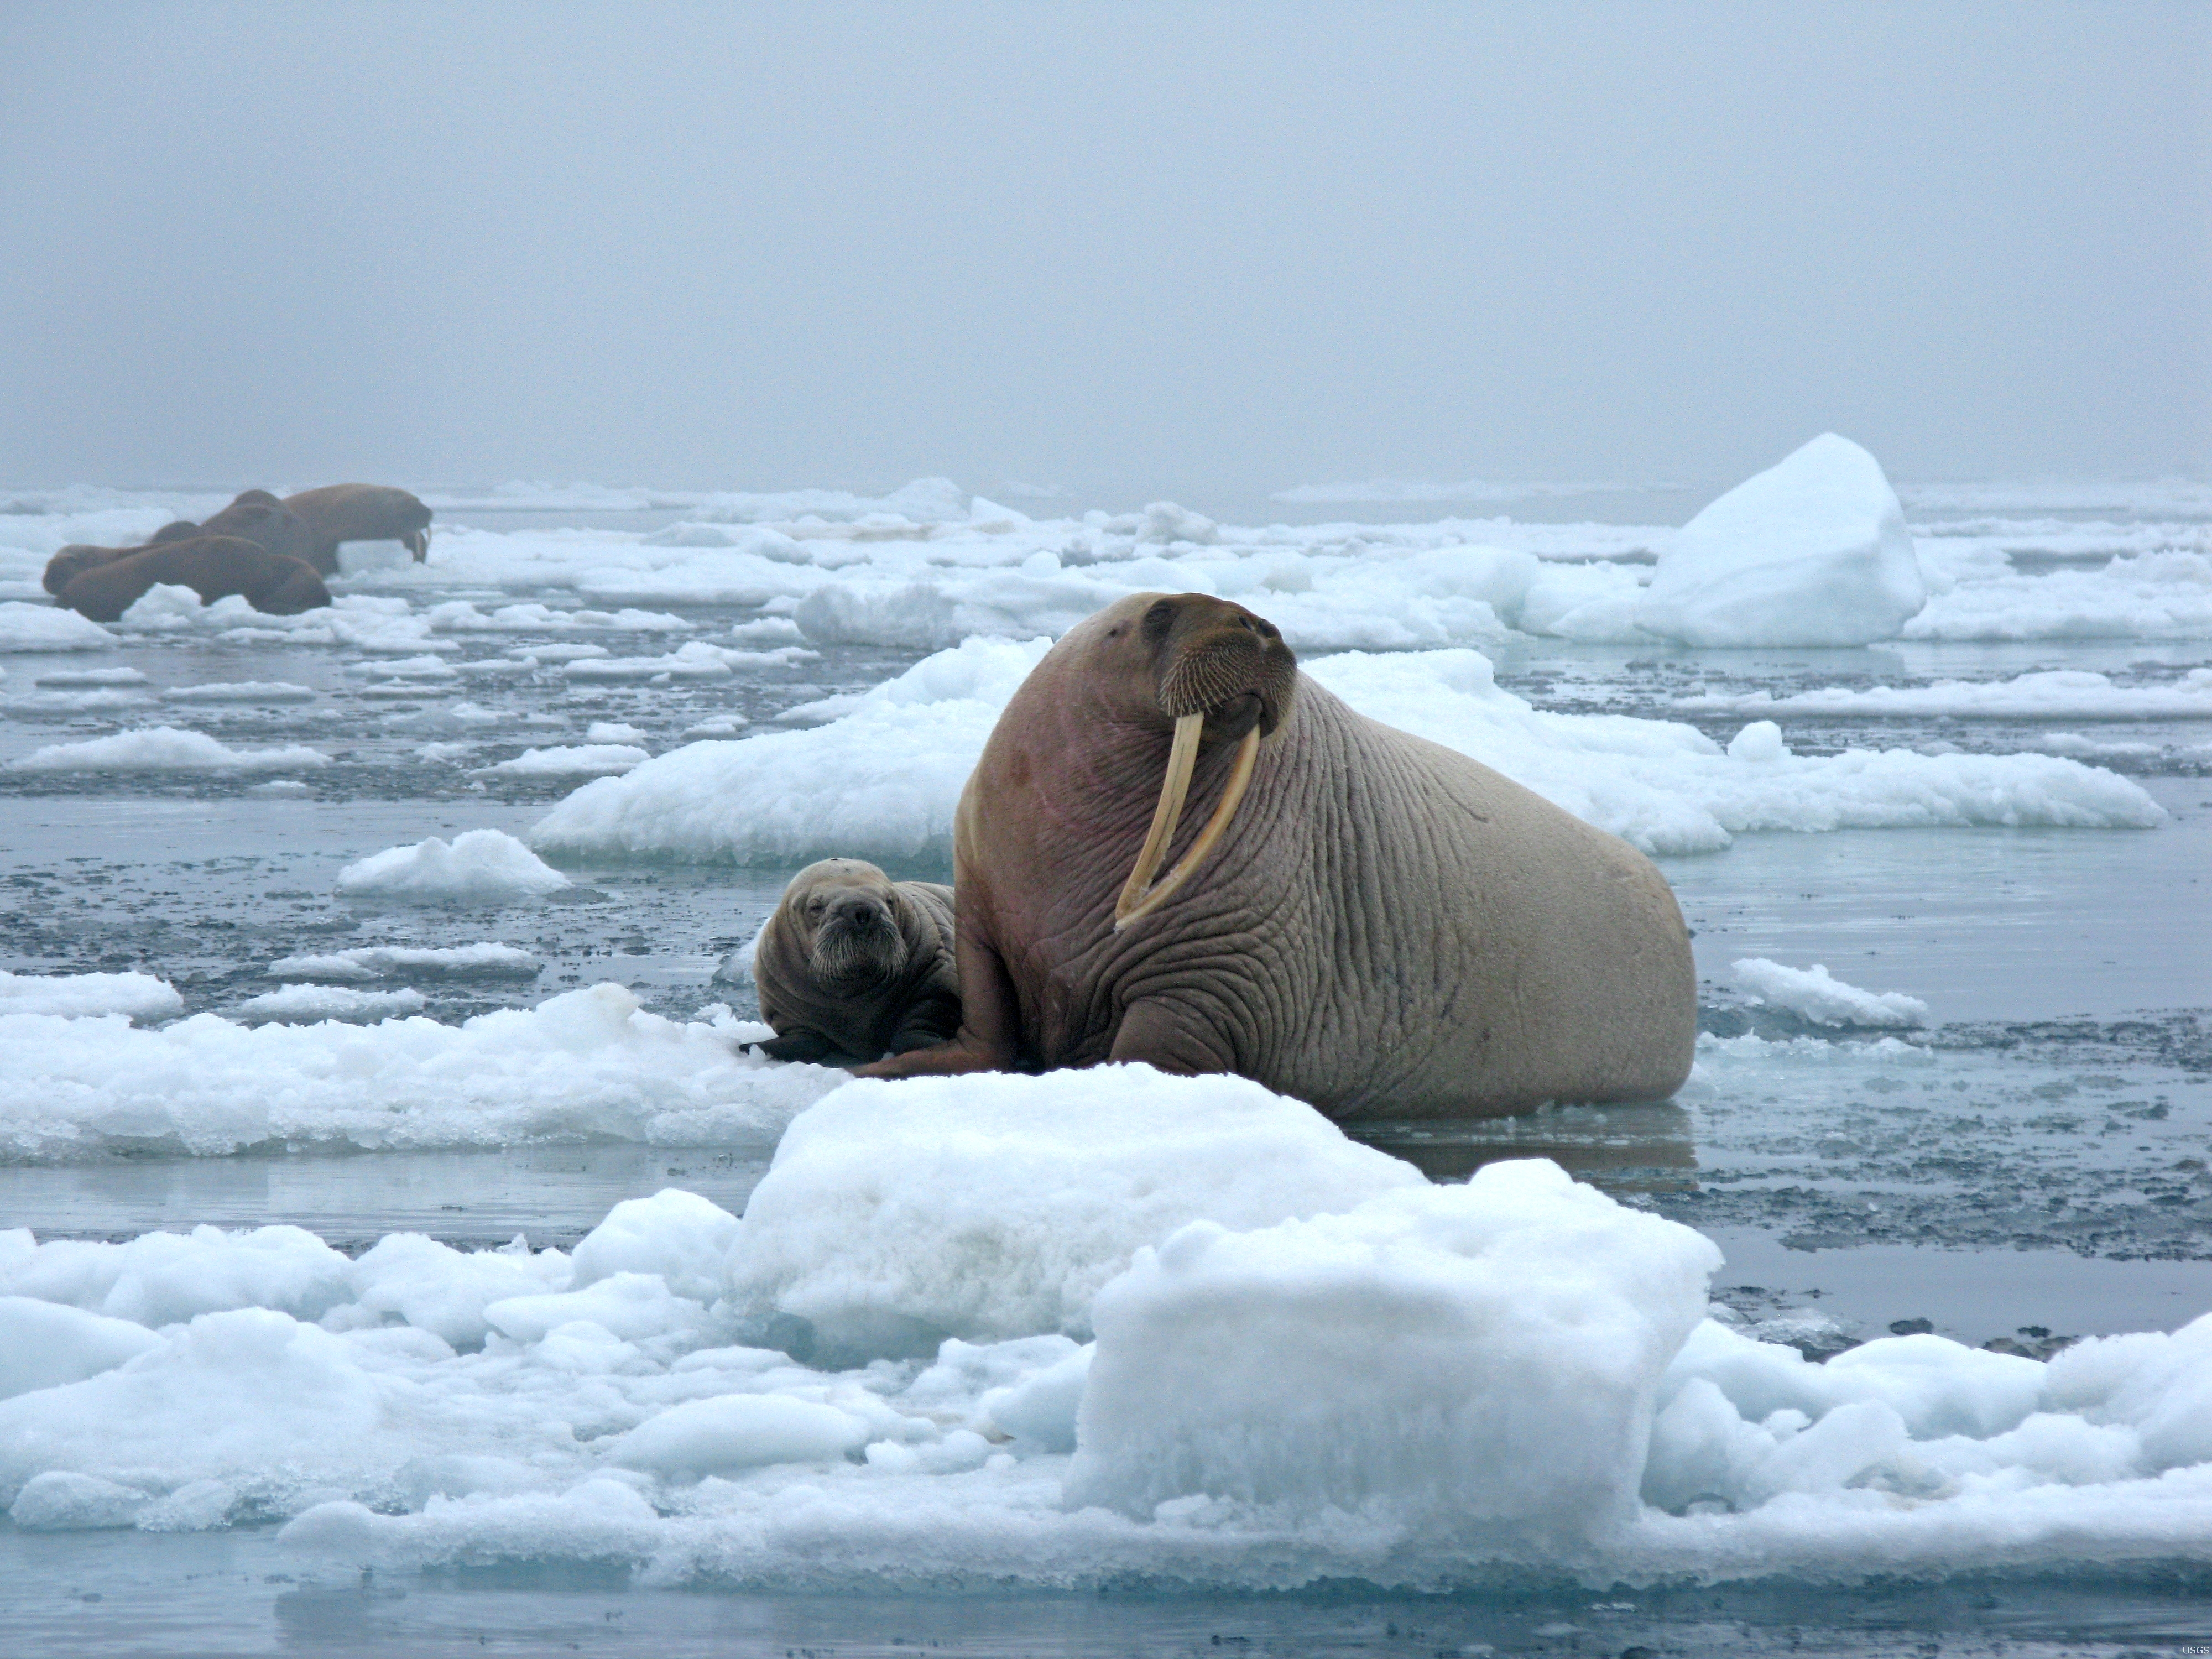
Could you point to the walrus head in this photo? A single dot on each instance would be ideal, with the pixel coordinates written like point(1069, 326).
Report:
point(1221, 674)
point(847, 911)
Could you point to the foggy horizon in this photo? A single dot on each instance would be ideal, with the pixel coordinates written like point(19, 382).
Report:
point(1149, 251)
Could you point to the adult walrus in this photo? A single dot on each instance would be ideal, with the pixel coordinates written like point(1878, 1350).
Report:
point(1366, 921)
point(77, 556)
point(360, 512)
point(213, 567)
point(259, 517)
point(855, 964)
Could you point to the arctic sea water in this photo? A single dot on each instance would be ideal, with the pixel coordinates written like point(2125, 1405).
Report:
point(330, 970)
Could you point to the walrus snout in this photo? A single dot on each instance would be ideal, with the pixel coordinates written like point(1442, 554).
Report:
point(856, 935)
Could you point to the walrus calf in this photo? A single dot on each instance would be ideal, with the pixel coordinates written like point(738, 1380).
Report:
point(1364, 920)
point(360, 512)
point(854, 965)
point(213, 567)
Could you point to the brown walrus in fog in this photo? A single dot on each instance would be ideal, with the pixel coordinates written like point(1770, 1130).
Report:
point(854, 965)
point(259, 517)
point(1366, 921)
point(360, 512)
point(213, 567)
point(80, 555)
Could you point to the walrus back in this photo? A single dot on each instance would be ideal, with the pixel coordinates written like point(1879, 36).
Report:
point(213, 567)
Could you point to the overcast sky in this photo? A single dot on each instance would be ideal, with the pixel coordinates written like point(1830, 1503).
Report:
point(1122, 248)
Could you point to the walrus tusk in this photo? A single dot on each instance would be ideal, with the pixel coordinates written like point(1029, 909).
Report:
point(1135, 902)
point(1182, 756)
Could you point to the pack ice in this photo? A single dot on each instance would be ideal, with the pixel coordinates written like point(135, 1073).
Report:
point(1303, 1362)
point(1812, 552)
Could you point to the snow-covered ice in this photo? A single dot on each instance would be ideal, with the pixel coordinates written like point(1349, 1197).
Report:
point(164, 749)
point(588, 760)
point(881, 778)
point(1812, 552)
point(993, 1206)
point(585, 1064)
point(2044, 693)
point(241, 691)
point(49, 628)
point(478, 866)
point(304, 1004)
point(1816, 995)
point(485, 960)
point(140, 996)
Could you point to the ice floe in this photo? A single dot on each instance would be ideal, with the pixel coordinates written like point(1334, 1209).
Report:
point(49, 628)
point(1812, 552)
point(164, 749)
point(586, 1064)
point(1367, 1380)
point(477, 867)
point(588, 760)
point(241, 691)
point(881, 778)
point(486, 960)
point(306, 1004)
point(2159, 595)
point(2046, 694)
point(1816, 995)
point(140, 996)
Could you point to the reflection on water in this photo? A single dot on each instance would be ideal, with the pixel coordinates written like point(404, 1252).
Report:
point(1641, 1148)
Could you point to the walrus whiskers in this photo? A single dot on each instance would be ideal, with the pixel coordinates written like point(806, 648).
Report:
point(1135, 903)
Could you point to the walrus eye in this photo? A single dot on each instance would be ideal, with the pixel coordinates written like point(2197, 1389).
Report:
point(1159, 619)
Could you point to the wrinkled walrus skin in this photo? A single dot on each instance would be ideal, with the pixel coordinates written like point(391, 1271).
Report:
point(259, 517)
point(1385, 927)
point(854, 965)
point(337, 514)
point(213, 567)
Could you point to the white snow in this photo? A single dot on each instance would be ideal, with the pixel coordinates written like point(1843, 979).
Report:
point(477, 867)
point(484, 960)
point(306, 1004)
point(1818, 996)
point(589, 760)
point(49, 628)
point(993, 1206)
point(141, 996)
point(587, 1063)
point(2159, 595)
point(2044, 693)
point(164, 749)
point(1812, 552)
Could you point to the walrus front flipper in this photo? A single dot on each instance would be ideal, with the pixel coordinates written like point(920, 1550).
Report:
point(934, 1019)
point(797, 1045)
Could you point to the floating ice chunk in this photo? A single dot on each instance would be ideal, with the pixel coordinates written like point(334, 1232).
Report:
point(460, 617)
point(2046, 694)
point(1812, 552)
point(613, 731)
point(1815, 994)
point(483, 961)
point(58, 1501)
point(681, 1236)
point(591, 760)
point(407, 668)
point(162, 1278)
point(73, 677)
point(1165, 522)
point(628, 1305)
point(2161, 595)
point(880, 783)
point(478, 866)
point(1480, 1360)
point(49, 628)
point(306, 1004)
point(1041, 1406)
point(1758, 742)
point(241, 691)
point(990, 1206)
point(278, 786)
point(436, 1288)
point(142, 996)
point(736, 1432)
point(45, 1344)
point(693, 660)
point(588, 1063)
point(164, 749)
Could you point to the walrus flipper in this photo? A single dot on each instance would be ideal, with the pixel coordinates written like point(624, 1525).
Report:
point(797, 1045)
point(934, 1019)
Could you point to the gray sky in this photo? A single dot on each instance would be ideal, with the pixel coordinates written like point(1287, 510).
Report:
point(1123, 248)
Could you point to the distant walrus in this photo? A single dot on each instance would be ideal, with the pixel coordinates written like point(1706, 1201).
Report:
point(259, 517)
point(854, 965)
point(360, 512)
point(1367, 921)
point(80, 555)
point(213, 567)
